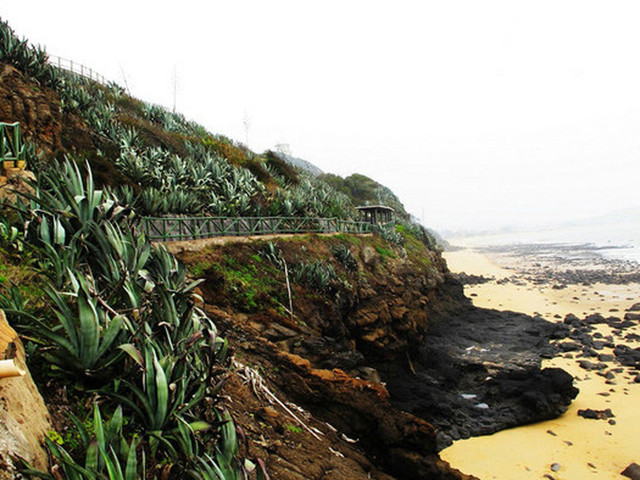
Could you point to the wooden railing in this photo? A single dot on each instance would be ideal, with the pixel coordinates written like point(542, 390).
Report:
point(168, 229)
point(77, 68)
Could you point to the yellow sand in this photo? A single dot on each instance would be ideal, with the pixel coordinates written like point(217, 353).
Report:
point(584, 449)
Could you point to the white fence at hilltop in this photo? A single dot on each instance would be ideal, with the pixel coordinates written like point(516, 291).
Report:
point(76, 68)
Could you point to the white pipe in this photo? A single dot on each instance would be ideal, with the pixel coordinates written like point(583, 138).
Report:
point(9, 368)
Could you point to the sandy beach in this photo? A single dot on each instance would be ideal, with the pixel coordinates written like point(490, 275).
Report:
point(569, 447)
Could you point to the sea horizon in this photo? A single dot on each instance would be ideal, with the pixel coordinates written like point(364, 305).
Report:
point(616, 240)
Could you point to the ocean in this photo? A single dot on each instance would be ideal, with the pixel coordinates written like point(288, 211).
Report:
point(616, 240)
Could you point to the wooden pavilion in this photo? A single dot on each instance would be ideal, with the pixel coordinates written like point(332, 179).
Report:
point(376, 214)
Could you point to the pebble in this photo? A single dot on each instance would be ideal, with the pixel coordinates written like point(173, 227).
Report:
point(555, 467)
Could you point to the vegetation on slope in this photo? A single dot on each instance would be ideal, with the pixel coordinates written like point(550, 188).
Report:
point(362, 190)
point(113, 319)
point(119, 322)
point(176, 165)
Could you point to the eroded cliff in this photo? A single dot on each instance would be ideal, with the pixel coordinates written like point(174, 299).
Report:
point(320, 350)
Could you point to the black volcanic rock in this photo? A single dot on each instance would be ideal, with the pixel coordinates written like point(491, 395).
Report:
point(480, 372)
point(596, 414)
point(467, 279)
point(634, 308)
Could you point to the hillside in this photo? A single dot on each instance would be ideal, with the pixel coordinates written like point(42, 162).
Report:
point(125, 342)
point(362, 190)
point(301, 163)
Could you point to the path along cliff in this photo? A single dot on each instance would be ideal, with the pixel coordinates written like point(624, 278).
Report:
point(329, 336)
point(387, 334)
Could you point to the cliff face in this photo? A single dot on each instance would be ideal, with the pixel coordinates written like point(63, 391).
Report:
point(38, 110)
point(323, 357)
point(377, 309)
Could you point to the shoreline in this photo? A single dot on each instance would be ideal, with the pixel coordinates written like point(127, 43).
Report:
point(510, 279)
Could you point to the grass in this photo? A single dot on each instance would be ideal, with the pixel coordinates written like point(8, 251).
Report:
point(248, 283)
point(200, 268)
point(20, 279)
point(386, 252)
point(292, 428)
point(416, 250)
point(349, 239)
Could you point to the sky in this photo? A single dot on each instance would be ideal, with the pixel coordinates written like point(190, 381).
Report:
point(477, 114)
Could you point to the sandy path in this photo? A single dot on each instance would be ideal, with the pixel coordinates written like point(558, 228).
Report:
point(584, 449)
point(196, 245)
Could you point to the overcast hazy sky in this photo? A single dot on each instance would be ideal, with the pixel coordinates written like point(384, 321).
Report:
point(479, 113)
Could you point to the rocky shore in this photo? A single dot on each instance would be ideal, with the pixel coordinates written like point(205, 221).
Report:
point(591, 303)
point(562, 264)
point(480, 372)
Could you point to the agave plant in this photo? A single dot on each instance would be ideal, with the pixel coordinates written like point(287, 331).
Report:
point(390, 234)
point(315, 274)
point(345, 257)
point(86, 335)
point(133, 166)
point(30, 59)
point(170, 387)
point(108, 454)
point(75, 201)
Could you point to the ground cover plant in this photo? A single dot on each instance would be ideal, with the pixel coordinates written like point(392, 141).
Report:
point(119, 323)
point(113, 319)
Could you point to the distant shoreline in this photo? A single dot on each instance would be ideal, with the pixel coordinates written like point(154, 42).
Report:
point(562, 264)
point(617, 240)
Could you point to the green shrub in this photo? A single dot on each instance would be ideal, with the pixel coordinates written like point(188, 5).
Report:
point(342, 253)
point(315, 274)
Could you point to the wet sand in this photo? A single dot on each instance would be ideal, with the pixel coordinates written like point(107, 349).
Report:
point(581, 448)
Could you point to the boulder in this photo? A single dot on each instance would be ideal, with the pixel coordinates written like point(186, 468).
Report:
point(596, 414)
point(24, 419)
point(632, 471)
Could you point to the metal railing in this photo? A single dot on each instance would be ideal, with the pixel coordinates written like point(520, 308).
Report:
point(77, 68)
point(168, 229)
point(11, 148)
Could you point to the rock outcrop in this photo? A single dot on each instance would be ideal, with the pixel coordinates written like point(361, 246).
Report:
point(322, 359)
point(480, 372)
point(37, 109)
point(451, 370)
point(24, 419)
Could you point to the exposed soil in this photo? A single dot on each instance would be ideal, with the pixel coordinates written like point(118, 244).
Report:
point(321, 359)
point(395, 321)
